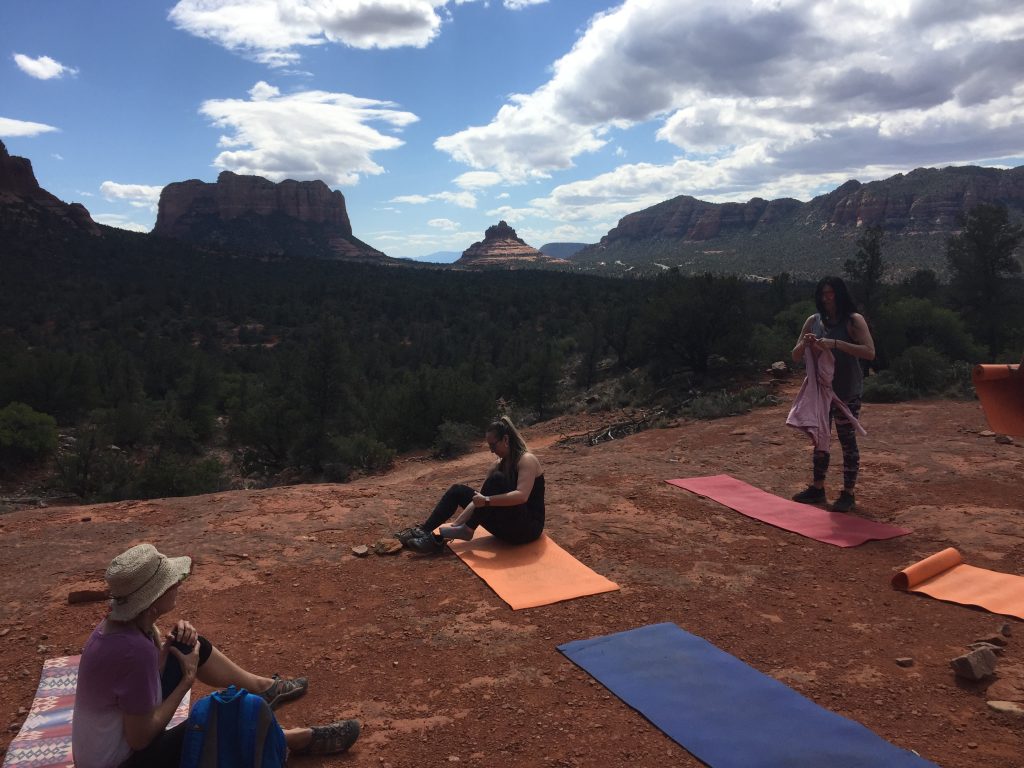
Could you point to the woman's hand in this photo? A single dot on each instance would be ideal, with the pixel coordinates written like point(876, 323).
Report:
point(189, 662)
point(479, 500)
point(184, 633)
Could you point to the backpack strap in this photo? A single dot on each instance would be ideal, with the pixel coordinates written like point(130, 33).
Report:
point(209, 757)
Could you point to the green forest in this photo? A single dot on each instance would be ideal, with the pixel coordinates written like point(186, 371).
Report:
point(139, 367)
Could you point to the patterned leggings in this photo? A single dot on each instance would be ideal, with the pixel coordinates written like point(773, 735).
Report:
point(848, 440)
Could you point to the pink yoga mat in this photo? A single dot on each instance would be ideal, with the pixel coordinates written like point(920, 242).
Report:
point(837, 528)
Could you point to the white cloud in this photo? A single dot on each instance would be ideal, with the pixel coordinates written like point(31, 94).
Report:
point(762, 95)
point(461, 199)
point(270, 30)
point(121, 222)
point(443, 224)
point(136, 195)
point(477, 179)
point(304, 135)
point(10, 127)
point(57, 156)
point(43, 68)
point(518, 5)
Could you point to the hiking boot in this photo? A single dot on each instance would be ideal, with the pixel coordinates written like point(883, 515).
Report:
point(331, 739)
point(427, 544)
point(844, 503)
point(284, 689)
point(810, 495)
point(407, 534)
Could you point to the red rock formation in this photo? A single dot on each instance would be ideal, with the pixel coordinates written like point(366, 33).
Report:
point(926, 200)
point(501, 247)
point(21, 197)
point(250, 213)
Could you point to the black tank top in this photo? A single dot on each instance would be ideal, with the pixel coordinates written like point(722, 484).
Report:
point(535, 504)
point(848, 379)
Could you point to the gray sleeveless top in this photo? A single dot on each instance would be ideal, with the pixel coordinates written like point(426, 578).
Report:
point(848, 380)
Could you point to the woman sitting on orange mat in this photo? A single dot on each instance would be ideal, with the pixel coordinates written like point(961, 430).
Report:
point(132, 678)
point(510, 504)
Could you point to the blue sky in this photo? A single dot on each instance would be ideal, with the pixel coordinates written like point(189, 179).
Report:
point(437, 118)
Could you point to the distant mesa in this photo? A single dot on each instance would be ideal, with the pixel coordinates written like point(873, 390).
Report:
point(918, 211)
point(501, 247)
point(253, 215)
point(26, 207)
point(562, 250)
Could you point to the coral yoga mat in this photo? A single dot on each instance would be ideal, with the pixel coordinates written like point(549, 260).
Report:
point(529, 575)
point(1000, 389)
point(837, 528)
point(945, 576)
point(723, 711)
point(44, 740)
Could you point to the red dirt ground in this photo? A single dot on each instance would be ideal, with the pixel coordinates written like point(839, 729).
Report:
point(442, 672)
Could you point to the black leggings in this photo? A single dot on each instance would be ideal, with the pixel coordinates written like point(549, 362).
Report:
point(516, 525)
point(164, 751)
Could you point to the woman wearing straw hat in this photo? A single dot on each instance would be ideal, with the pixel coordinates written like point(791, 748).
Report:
point(131, 678)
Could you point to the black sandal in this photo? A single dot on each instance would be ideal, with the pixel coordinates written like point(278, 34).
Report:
point(331, 739)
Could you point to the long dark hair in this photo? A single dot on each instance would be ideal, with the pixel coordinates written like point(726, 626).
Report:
point(845, 305)
point(517, 446)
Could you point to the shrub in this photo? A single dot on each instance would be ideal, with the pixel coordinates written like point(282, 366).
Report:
point(922, 370)
point(884, 388)
point(361, 451)
point(717, 405)
point(454, 439)
point(170, 474)
point(25, 435)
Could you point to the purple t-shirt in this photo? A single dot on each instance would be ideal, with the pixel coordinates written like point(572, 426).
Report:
point(119, 674)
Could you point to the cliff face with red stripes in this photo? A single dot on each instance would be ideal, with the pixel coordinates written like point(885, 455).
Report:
point(502, 247)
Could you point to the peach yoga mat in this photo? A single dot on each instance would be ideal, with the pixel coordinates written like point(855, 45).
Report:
point(1000, 389)
point(945, 576)
point(529, 575)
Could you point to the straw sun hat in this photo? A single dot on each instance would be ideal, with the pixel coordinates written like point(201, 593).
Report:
point(139, 576)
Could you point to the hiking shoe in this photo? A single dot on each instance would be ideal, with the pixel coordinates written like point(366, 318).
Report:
point(810, 495)
point(331, 739)
point(284, 689)
point(845, 502)
point(407, 534)
point(427, 544)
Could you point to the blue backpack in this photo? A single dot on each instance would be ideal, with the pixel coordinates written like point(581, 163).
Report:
point(233, 729)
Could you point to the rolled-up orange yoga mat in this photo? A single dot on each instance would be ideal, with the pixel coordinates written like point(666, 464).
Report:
point(945, 576)
point(931, 566)
point(1000, 389)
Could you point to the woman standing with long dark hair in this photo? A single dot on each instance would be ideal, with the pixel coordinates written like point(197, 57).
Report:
point(510, 504)
point(840, 329)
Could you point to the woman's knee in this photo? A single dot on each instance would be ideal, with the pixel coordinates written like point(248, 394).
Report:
point(496, 482)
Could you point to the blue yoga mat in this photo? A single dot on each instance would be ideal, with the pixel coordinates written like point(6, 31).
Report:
point(724, 711)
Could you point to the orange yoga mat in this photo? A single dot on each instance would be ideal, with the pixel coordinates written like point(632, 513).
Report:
point(945, 576)
point(1001, 391)
point(528, 575)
